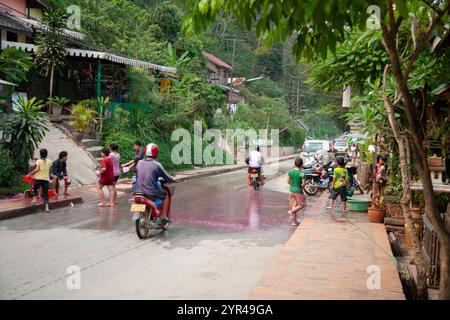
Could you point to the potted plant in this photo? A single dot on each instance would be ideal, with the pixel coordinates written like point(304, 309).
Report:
point(56, 104)
point(377, 211)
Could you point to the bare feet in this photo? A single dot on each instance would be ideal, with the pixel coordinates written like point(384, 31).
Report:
point(66, 194)
point(329, 207)
point(101, 204)
point(110, 205)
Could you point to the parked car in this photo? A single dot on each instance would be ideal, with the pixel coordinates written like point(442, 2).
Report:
point(340, 147)
point(313, 148)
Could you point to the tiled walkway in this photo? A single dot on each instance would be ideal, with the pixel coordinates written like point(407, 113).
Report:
point(327, 258)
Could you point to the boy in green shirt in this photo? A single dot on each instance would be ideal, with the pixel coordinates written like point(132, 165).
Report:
point(296, 181)
point(340, 182)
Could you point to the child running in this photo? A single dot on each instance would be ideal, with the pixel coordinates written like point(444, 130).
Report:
point(297, 199)
point(340, 182)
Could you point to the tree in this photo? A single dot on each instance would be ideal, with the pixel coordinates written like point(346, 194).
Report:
point(15, 64)
point(319, 25)
point(51, 46)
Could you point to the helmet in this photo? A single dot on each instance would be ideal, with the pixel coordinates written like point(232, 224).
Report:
point(350, 193)
point(152, 150)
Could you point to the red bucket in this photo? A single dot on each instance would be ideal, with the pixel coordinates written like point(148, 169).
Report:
point(27, 179)
point(51, 192)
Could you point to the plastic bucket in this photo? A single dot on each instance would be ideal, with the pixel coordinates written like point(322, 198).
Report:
point(27, 179)
point(360, 205)
point(51, 192)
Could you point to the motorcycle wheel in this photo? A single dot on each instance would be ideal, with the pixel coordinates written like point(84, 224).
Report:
point(310, 189)
point(255, 184)
point(142, 227)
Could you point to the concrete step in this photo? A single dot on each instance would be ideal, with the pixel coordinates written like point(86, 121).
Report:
point(90, 142)
point(95, 151)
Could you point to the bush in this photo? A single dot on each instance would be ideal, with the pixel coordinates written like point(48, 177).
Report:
point(27, 127)
point(8, 175)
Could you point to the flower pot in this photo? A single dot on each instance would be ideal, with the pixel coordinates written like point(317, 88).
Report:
point(55, 113)
point(376, 215)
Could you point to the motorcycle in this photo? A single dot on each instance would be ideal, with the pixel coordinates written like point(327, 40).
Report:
point(354, 184)
point(318, 177)
point(147, 214)
point(255, 178)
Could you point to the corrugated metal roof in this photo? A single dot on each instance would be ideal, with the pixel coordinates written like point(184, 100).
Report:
point(216, 60)
point(28, 25)
point(96, 55)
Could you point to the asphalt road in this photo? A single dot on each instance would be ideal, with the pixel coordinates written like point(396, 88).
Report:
point(222, 237)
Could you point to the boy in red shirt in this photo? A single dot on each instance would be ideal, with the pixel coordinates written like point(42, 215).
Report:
point(106, 178)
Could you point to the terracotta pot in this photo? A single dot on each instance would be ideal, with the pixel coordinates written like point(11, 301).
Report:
point(376, 215)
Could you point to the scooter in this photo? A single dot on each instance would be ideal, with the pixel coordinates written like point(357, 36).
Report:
point(148, 214)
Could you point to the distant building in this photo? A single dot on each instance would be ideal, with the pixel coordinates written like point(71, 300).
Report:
point(219, 73)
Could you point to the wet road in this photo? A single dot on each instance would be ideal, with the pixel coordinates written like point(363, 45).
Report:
point(222, 237)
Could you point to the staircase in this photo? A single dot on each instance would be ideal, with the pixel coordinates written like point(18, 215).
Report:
point(91, 145)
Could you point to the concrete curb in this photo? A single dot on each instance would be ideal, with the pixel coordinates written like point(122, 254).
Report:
point(18, 212)
point(220, 170)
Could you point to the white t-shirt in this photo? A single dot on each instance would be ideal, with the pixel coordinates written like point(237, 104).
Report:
point(255, 159)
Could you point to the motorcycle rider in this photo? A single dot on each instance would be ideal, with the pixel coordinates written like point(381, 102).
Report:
point(148, 173)
point(255, 161)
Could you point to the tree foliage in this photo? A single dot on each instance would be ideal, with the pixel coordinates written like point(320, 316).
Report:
point(15, 64)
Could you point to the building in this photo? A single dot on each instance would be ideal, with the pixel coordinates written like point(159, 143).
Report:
point(220, 73)
point(87, 73)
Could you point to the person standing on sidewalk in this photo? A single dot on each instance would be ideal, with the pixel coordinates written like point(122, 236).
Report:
point(41, 175)
point(106, 178)
point(296, 181)
point(115, 157)
point(131, 165)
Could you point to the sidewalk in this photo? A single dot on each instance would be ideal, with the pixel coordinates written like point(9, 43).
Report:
point(124, 185)
point(327, 258)
point(16, 208)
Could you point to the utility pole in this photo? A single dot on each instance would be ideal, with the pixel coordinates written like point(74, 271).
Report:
point(230, 93)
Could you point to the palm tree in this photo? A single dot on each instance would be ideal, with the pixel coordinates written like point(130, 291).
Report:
point(51, 44)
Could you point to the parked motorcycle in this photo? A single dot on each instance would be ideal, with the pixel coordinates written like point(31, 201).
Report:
point(318, 177)
point(147, 214)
